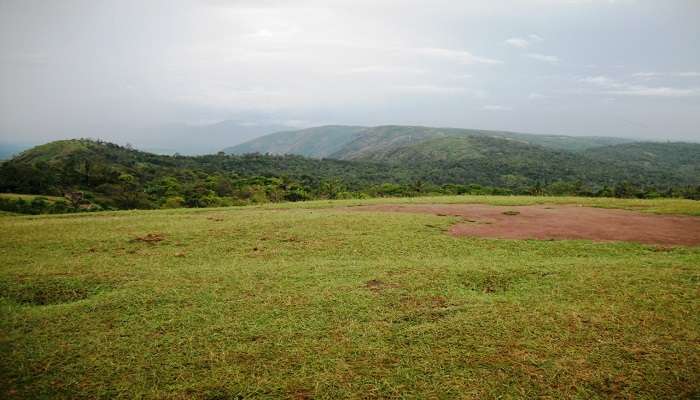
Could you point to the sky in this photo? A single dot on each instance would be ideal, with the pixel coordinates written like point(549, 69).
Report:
point(157, 73)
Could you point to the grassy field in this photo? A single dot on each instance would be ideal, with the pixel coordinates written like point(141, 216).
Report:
point(28, 197)
point(310, 300)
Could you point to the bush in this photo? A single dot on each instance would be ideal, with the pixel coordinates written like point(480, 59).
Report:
point(173, 202)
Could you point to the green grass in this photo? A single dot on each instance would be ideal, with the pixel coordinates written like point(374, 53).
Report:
point(656, 206)
point(313, 301)
point(29, 197)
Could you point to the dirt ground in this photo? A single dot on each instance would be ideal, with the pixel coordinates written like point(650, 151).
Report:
point(560, 222)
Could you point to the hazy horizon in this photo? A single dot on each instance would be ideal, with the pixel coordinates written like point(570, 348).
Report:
point(159, 74)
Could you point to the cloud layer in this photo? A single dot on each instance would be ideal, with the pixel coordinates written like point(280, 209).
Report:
point(122, 69)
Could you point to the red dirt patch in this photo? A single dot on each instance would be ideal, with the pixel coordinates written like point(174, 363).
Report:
point(560, 222)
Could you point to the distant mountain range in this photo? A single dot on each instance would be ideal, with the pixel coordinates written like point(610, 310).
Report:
point(385, 161)
point(374, 143)
point(361, 159)
point(489, 152)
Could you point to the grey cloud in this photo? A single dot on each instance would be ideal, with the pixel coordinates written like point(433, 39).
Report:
point(123, 70)
point(543, 58)
point(524, 43)
point(518, 42)
point(611, 86)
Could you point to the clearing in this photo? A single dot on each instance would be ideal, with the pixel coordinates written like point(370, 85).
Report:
point(316, 300)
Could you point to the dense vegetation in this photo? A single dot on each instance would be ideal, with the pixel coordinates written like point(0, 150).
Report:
point(95, 175)
point(29, 204)
point(652, 159)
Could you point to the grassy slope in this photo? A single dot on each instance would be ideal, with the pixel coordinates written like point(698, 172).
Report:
point(8, 214)
point(29, 197)
point(272, 302)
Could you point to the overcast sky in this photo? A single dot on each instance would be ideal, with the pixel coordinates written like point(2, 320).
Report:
point(121, 70)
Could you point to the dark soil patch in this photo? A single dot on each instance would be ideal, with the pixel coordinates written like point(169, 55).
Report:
point(560, 223)
point(50, 290)
point(374, 284)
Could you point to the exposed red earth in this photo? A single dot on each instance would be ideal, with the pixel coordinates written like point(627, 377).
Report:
point(547, 222)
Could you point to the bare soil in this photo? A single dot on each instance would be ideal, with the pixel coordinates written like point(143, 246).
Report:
point(557, 222)
point(376, 285)
point(150, 238)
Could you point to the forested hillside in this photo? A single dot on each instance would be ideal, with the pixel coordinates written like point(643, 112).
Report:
point(653, 159)
point(349, 142)
point(485, 157)
point(119, 177)
point(95, 175)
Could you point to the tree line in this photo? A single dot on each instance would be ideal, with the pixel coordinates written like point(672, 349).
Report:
point(95, 175)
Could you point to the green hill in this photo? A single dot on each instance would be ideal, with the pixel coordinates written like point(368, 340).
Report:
point(440, 149)
point(648, 157)
point(375, 142)
point(423, 161)
point(486, 156)
point(677, 163)
point(503, 162)
point(53, 151)
point(488, 159)
point(351, 142)
point(453, 148)
point(119, 177)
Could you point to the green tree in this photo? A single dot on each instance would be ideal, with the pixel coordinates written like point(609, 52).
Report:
point(331, 187)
